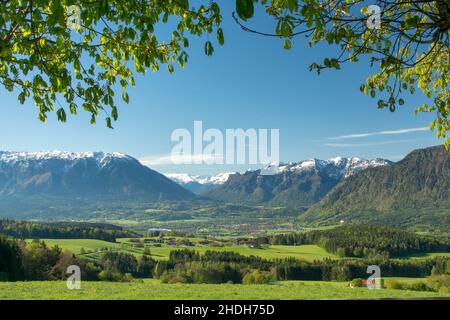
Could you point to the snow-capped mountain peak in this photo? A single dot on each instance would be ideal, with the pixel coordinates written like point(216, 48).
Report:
point(100, 157)
point(338, 167)
point(293, 184)
point(185, 178)
point(199, 183)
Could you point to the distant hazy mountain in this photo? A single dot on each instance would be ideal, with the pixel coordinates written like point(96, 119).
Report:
point(199, 183)
point(415, 190)
point(85, 174)
point(296, 184)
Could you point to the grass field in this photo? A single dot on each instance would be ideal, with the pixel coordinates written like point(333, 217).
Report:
point(152, 289)
point(75, 245)
point(305, 252)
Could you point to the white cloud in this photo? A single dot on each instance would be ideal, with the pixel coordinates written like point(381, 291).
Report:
point(368, 144)
point(379, 133)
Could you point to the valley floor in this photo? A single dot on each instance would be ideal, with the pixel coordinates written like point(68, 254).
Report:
point(303, 252)
point(153, 290)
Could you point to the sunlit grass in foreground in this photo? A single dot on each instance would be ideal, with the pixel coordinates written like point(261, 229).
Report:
point(153, 289)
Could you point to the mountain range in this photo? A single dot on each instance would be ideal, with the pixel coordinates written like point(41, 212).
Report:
point(199, 184)
point(298, 184)
point(415, 190)
point(83, 174)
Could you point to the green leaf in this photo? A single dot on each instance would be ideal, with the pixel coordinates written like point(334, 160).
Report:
point(209, 49)
point(42, 117)
point(245, 9)
point(22, 97)
point(114, 113)
point(73, 108)
point(184, 4)
point(108, 123)
point(287, 44)
point(220, 36)
point(61, 114)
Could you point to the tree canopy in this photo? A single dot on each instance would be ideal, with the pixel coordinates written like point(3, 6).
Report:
point(69, 58)
point(67, 55)
point(407, 42)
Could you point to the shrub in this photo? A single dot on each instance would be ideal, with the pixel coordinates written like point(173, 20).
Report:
point(393, 284)
point(438, 282)
point(110, 275)
point(444, 290)
point(357, 283)
point(417, 286)
point(258, 277)
point(175, 277)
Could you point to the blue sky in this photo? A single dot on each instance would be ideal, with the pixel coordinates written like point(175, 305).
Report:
point(250, 82)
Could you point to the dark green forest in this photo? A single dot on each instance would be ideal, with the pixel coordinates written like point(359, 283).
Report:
point(187, 266)
point(20, 260)
point(63, 230)
point(363, 241)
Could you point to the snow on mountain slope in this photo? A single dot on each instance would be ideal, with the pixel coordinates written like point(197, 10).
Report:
point(338, 167)
point(86, 174)
point(101, 158)
point(294, 184)
point(199, 183)
point(184, 178)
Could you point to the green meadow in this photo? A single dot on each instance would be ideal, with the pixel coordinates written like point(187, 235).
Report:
point(75, 245)
point(92, 248)
point(153, 290)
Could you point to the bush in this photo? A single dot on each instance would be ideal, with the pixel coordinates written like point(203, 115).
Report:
point(175, 277)
point(444, 290)
point(127, 277)
point(258, 277)
point(439, 283)
point(110, 275)
point(414, 286)
point(393, 284)
point(357, 283)
point(417, 286)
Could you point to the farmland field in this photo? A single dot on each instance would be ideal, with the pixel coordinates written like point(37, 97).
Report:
point(153, 289)
point(75, 245)
point(305, 252)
